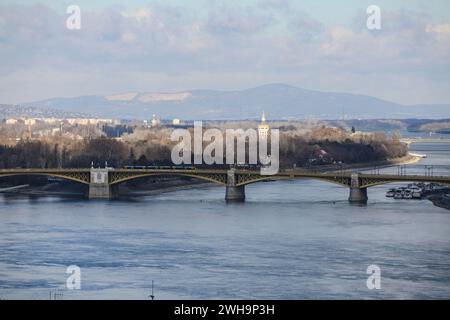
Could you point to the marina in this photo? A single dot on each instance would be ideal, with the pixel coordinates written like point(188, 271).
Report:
point(417, 191)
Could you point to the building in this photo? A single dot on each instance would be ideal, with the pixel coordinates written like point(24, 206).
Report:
point(78, 121)
point(155, 121)
point(86, 122)
point(176, 122)
point(11, 121)
point(51, 120)
point(29, 122)
point(263, 127)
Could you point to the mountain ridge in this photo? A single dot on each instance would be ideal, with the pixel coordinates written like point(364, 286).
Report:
point(278, 100)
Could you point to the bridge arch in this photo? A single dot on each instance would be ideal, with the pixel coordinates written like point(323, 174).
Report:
point(117, 179)
point(286, 177)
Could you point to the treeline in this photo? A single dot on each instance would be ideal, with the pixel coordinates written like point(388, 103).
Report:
point(318, 146)
point(332, 145)
point(98, 151)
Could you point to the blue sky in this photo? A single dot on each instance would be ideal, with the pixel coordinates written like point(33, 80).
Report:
point(170, 45)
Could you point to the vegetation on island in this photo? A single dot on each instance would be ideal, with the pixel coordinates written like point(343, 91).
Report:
point(302, 144)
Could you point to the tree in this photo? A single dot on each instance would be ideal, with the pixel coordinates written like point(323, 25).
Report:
point(132, 157)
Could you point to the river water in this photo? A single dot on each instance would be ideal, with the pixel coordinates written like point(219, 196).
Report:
point(289, 240)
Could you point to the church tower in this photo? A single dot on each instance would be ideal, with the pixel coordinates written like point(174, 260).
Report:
point(263, 127)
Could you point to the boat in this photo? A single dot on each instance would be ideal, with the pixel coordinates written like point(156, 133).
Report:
point(407, 194)
point(398, 194)
point(390, 193)
point(416, 192)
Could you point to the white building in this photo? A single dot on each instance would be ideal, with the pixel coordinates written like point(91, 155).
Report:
point(29, 122)
point(51, 120)
point(11, 121)
point(85, 122)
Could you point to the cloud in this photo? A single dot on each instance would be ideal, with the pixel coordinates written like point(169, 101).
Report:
point(304, 26)
point(228, 20)
point(228, 46)
point(440, 29)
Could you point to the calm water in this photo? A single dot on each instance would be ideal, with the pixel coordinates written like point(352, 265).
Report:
point(291, 239)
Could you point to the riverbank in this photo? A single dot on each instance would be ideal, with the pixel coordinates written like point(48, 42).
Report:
point(64, 188)
point(14, 188)
point(408, 159)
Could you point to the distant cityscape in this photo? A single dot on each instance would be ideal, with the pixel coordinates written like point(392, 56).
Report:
point(22, 122)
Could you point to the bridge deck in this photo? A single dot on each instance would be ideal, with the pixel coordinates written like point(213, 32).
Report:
point(244, 176)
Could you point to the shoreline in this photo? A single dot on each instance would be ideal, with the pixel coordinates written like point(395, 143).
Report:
point(405, 160)
point(408, 159)
point(14, 188)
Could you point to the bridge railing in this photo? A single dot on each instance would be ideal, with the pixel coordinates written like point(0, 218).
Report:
point(409, 170)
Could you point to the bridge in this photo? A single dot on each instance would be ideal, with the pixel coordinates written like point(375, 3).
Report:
point(103, 182)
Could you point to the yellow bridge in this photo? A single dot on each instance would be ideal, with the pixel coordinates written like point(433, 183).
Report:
point(103, 182)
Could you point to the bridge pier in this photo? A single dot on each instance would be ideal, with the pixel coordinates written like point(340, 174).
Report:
point(357, 194)
point(234, 193)
point(99, 187)
point(100, 191)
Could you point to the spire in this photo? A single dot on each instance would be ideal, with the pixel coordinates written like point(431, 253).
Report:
point(263, 118)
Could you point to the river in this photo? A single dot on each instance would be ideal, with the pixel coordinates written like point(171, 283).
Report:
point(289, 240)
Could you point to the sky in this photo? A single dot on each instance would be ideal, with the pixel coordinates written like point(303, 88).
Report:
point(171, 45)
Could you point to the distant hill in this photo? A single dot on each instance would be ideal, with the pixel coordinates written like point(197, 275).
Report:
point(279, 101)
point(14, 111)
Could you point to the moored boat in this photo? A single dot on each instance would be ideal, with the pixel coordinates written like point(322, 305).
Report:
point(390, 193)
point(398, 194)
point(407, 194)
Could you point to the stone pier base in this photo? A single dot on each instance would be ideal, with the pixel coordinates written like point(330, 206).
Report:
point(358, 195)
point(235, 194)
point(102, 191)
